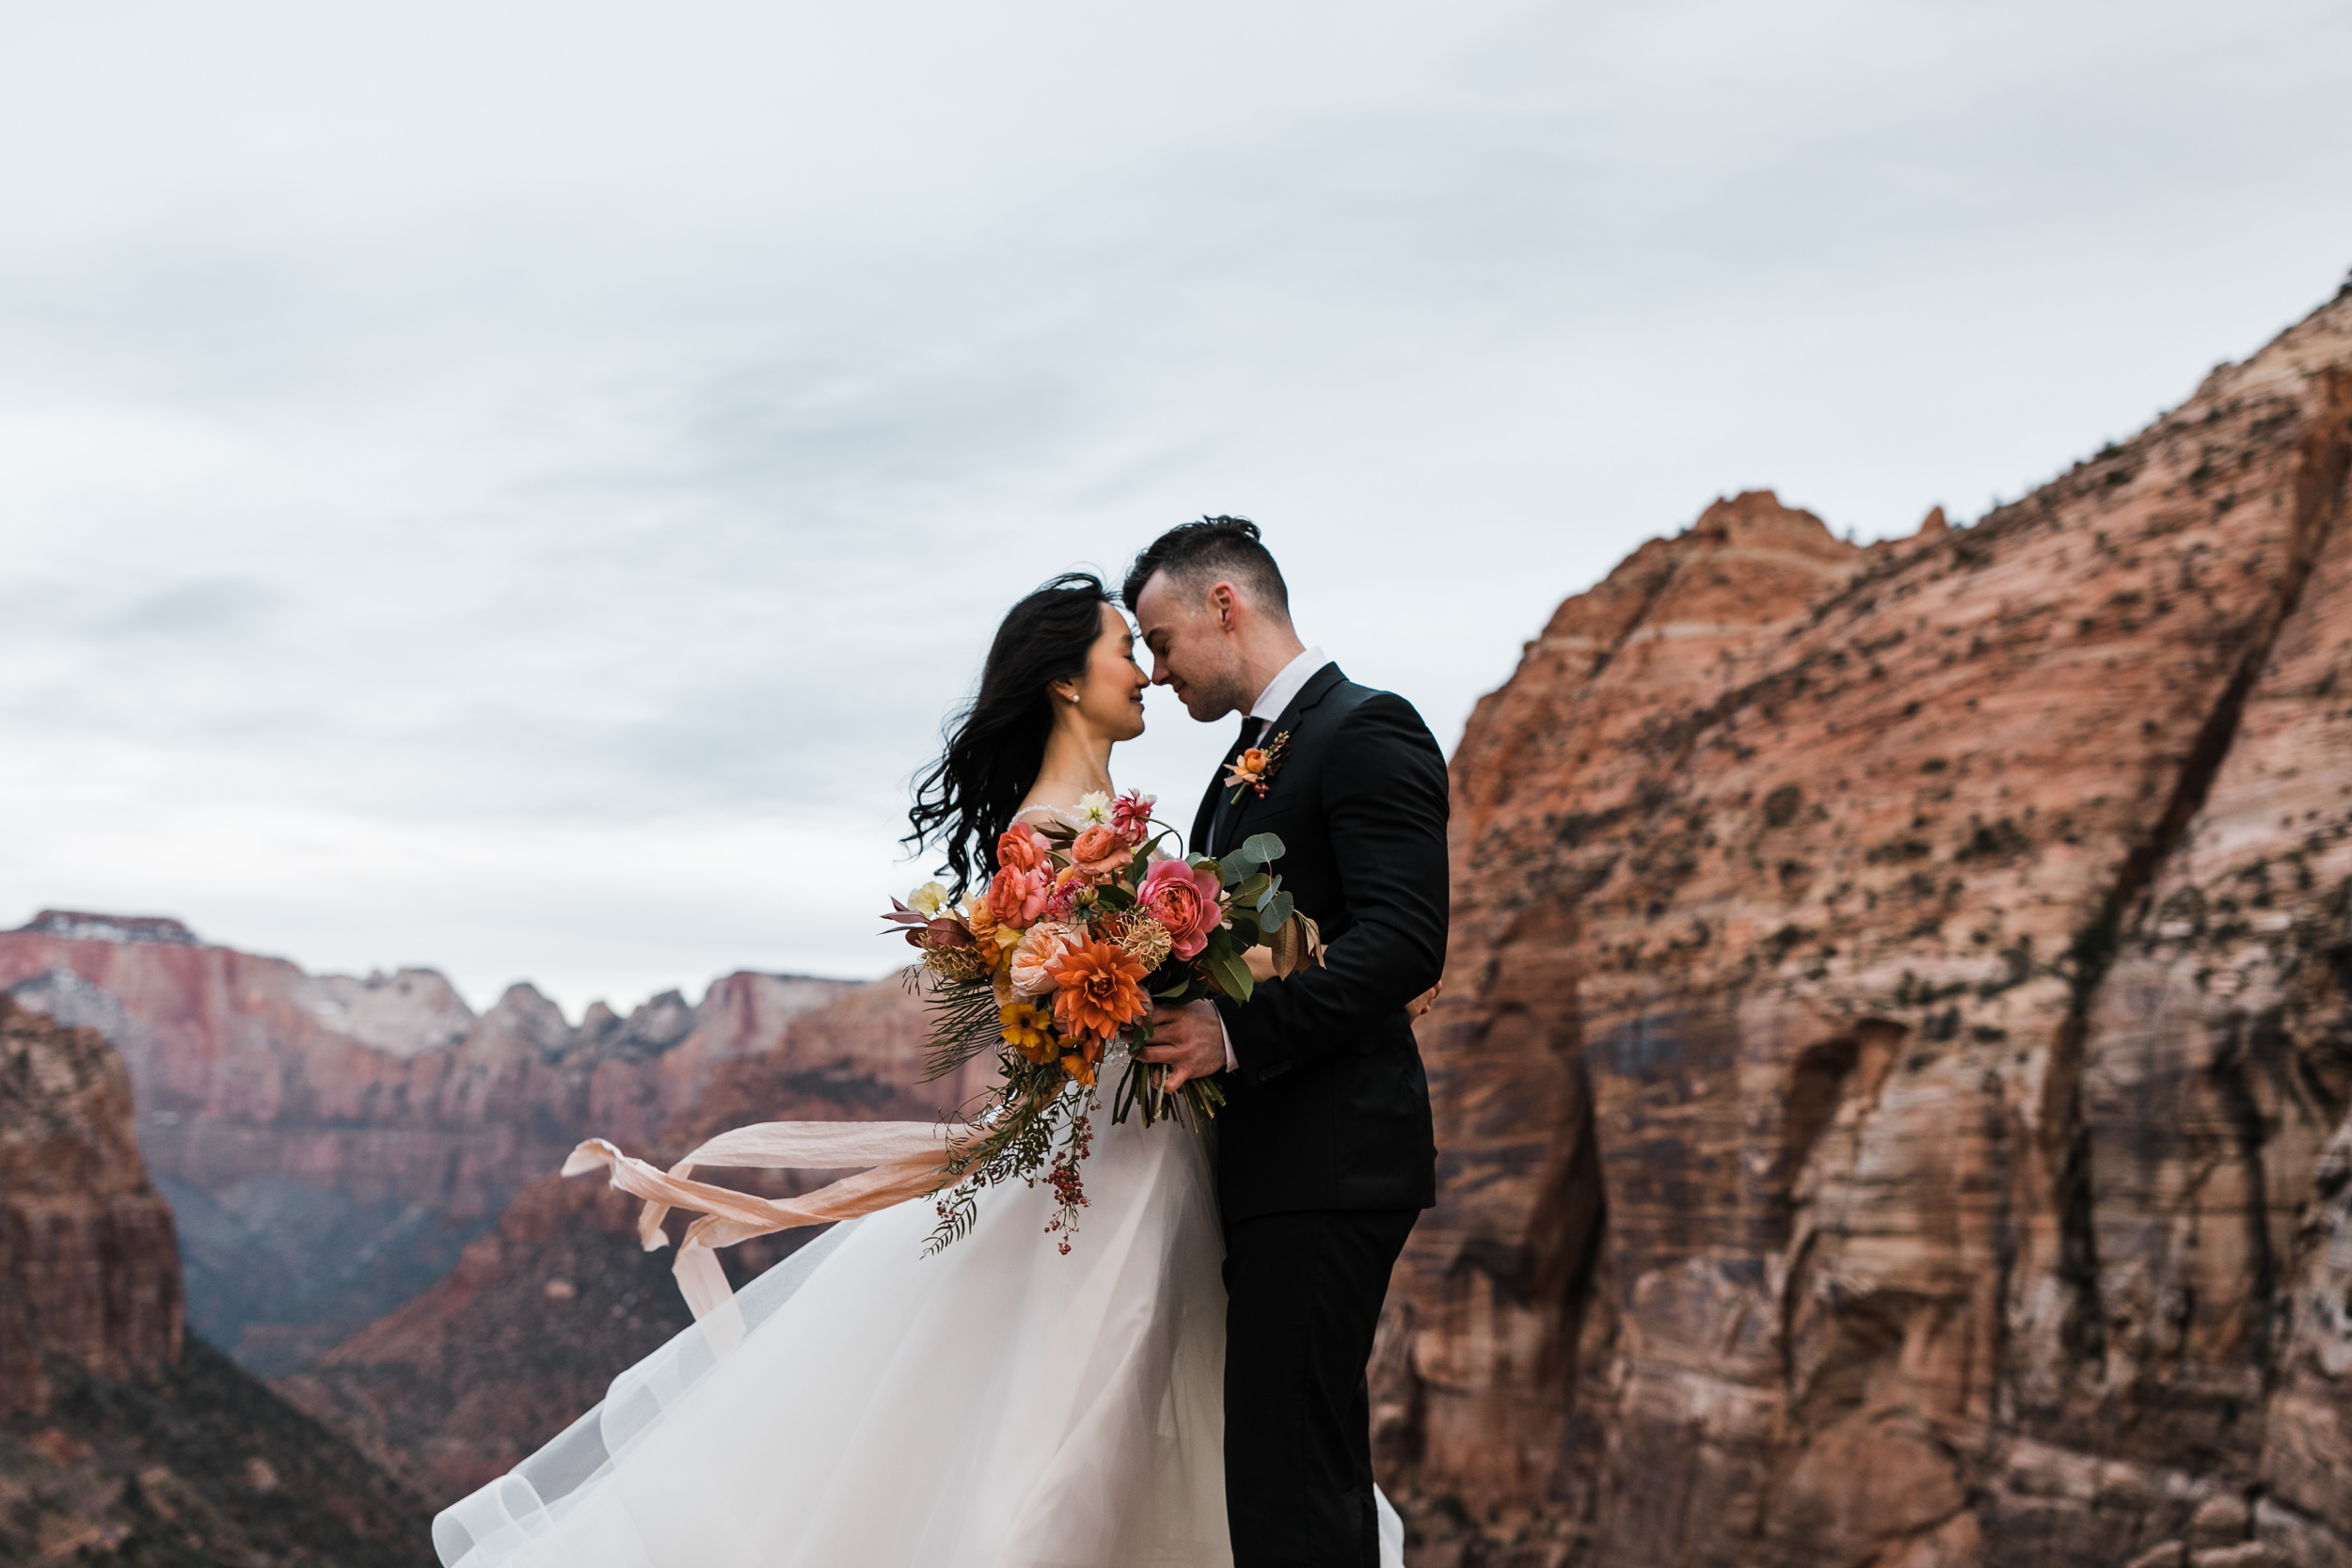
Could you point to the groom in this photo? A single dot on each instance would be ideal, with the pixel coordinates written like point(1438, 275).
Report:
point(1325, 1153)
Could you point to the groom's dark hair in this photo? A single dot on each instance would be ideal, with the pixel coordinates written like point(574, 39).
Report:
point(1212, 547)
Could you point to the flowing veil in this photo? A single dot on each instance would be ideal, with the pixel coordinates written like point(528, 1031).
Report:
point(503, 1518)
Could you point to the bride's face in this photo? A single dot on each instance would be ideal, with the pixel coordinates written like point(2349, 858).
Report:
point(1110, 692)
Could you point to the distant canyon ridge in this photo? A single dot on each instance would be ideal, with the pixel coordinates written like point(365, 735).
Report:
point(1892, 1082)
point(363, 1171)
point(328, 1144)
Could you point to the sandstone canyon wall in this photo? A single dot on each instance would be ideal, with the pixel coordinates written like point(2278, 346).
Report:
point(1894, 1071)
point(87, 1263)
point(121, 1440)
point(328, 1144)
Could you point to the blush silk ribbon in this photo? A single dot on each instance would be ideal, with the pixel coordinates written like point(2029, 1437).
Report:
point(901, 1160)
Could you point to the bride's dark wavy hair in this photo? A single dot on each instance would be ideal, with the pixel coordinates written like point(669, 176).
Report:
point(964, 801)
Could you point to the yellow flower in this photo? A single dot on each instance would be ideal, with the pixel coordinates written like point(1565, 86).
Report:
point(1028, 1030)
point(929, 900)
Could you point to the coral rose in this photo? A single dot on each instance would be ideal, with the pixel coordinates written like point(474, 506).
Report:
point(1016, 896)
point(1184, 901)
point(1039, 946)
point(1099, 851)
point(980, 920)
point(1020, 847)
point(1102, 989)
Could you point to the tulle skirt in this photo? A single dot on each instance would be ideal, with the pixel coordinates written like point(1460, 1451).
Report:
point(996, 1405)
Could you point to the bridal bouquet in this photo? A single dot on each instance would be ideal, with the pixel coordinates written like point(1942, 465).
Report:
point(1055, 965)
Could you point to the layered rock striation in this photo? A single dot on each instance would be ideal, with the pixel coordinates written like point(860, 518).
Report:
point(329, 1144)
point(1894, 1069)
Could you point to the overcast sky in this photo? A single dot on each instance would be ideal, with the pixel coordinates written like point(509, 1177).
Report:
point(513, 487)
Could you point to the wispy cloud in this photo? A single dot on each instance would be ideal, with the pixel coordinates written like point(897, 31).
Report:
point(517, 489)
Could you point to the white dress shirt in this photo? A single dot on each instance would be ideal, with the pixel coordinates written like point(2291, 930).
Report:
point(1269, 705)
point(1285, 685)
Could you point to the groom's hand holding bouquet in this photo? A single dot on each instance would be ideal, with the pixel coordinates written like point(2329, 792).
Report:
point(1057, 964)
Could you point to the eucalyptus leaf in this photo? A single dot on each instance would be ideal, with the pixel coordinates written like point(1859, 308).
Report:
point(1264, 848)
point(1252, 887)
point(1276, 914)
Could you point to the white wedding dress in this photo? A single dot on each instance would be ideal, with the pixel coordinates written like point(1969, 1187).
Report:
point(996, 1405)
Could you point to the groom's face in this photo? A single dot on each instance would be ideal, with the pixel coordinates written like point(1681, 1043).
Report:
point(1194, 650)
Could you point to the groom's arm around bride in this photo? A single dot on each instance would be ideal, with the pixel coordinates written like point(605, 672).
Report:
point(1325, 1150)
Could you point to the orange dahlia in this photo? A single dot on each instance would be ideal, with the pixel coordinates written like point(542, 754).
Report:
point(1101, 989)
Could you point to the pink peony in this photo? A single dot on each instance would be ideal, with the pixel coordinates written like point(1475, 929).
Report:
point(1184, 901)
point(1016, 896)
point(1021, 849)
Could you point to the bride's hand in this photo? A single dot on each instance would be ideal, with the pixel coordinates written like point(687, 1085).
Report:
point(1422, 1003)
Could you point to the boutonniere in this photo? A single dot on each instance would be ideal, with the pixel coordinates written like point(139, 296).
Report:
point(1254, 769)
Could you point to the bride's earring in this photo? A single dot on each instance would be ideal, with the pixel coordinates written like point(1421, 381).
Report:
point(1071, 695)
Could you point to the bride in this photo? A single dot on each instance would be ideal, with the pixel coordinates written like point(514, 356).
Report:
point(995, 1405)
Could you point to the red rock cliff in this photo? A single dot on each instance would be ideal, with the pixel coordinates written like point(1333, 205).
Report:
point(1894, 1071)
point(88, 1271)
point(117, 1441)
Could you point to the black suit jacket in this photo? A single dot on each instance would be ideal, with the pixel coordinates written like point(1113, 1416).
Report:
point(1329, 1108)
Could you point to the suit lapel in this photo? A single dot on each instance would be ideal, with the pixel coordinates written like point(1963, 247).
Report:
point(1205, 818)
point(1318, 686)
point(1198, 841)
